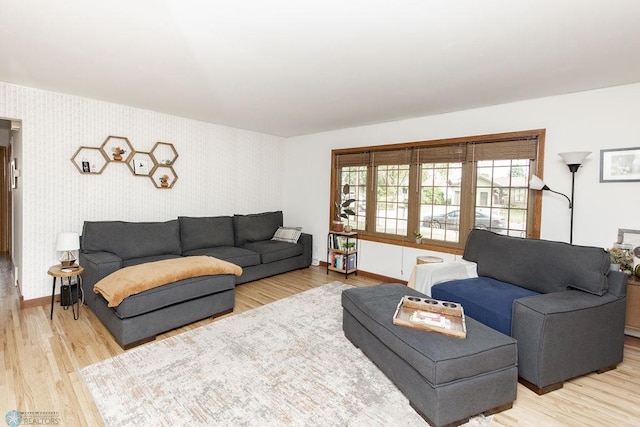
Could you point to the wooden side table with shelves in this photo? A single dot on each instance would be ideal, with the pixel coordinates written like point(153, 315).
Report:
point(342, 252)
point(632, 317)
point(66, 289)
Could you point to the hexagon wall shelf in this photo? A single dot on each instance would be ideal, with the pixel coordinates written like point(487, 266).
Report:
point(141, 164)
point(164, 177)
point(89, 160)
point(164, 154)
point(117, 148)
point(156, 164)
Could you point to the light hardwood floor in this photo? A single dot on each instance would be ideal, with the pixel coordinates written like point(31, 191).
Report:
point(40, 358)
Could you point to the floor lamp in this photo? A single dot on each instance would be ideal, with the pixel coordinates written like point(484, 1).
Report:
point(574, 161)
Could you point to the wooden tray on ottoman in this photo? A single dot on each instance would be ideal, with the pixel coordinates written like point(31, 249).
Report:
point(429, 314)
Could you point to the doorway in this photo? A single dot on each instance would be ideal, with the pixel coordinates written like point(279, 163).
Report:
point(6, 222)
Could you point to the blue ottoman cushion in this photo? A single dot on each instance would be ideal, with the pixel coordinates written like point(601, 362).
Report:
point(484, 299)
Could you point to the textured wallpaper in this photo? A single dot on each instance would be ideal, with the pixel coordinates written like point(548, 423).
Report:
point(220, 170)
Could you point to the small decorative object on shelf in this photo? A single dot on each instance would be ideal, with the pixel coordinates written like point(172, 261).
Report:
point(141, 167)
point(117, 153)
point(141, 164)
point(418, 236)
point(164, 180)
point(342, 252)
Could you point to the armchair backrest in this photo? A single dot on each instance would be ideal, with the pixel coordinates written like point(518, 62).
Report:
point(539, 265)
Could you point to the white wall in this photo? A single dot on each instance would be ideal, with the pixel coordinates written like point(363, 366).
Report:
point(586, 121)
point(224, 170)
point(221, 171)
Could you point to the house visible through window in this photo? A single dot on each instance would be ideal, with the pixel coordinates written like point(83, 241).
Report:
point(356, 177)
point(442, 189)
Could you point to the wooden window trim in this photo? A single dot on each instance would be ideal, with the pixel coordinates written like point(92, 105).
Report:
point(352, 156)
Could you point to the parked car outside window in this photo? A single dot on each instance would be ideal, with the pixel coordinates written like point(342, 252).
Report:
point(451, 221)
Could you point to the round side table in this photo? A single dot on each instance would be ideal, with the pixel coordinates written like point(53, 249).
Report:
point(428, 260)
point(66, 272)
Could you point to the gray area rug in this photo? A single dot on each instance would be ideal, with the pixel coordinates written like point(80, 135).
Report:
point(285, 363)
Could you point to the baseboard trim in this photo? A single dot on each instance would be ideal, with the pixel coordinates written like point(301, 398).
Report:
point(36, 302)
point(370, 275)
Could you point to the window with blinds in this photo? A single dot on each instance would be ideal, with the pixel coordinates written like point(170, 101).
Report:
point(442, 189)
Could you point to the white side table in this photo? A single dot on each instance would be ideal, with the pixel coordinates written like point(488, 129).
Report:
point(426, 275)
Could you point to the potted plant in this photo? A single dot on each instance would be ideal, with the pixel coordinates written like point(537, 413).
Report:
point(621, 259)
point(418, 236)
point(343, 210)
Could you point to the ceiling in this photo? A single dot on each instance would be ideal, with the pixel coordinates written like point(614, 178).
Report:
point(293, 67)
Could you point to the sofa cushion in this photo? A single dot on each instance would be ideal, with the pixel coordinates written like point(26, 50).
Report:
point(205, 232)
point(487, 300)
point(136, 261)
point(287, 234)
point(540, 265)
point(132, 239)
point(273, 250)
point(237, 256)
point(256, 227)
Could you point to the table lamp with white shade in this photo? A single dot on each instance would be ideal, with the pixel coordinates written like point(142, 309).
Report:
point(67, 242)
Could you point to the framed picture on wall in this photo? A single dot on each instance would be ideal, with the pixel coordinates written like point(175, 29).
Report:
point(141, 166)
point(620, 165)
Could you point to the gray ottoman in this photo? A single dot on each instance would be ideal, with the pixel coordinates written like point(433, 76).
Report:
point(447, 380)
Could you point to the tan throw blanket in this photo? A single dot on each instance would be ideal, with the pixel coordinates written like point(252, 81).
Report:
point(138, 278)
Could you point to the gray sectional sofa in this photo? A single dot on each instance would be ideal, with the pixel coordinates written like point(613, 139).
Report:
point(559, 301)
point(244, 240)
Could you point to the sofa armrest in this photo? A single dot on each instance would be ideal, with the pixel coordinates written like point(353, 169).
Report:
point(306, 240)
point(562, 335)
point(97, 265)
point(617, 283)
